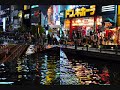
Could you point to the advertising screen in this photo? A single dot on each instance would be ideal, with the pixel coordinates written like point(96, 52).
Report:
point(35, 15)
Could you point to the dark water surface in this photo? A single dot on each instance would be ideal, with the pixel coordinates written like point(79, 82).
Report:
point(36, 69)
point(57, 68)
point(105, 72)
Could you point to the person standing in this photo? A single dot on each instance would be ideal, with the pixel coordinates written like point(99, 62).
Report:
point(48, 37)
point(53, 39)
point(101, 40)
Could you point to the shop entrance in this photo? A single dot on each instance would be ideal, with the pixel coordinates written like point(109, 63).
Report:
point(83, 25)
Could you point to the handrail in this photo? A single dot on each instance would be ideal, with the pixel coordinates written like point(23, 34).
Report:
point(16, 53)
point(10, 56)
point(9, 47)
point(4, 52)
point(24, 47)
point(99, 50)
point(20, 51)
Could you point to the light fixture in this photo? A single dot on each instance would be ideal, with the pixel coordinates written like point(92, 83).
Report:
point(34, 6)
point(78, 20)
point(108, 8)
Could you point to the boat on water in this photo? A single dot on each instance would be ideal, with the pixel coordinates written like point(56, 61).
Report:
point(30, 50)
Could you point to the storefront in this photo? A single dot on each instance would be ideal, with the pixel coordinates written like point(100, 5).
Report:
point(118, 40)
point(118, 24)
point(109, 33)
point(83, 18)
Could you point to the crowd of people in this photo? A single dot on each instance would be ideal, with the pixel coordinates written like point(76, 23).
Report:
point(81, 39)
point(78, 37)
point(52, 40)
point(92, 40)
point(26, 38)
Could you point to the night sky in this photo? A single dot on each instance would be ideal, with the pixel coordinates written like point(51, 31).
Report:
point(44, 8)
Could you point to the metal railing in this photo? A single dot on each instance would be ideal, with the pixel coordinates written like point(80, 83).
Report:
point(99, 48)
point(6, 47)
point(15, 53)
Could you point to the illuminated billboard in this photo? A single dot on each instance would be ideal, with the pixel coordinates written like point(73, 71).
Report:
point(83, 21)
point(50, 15)
point(79, 12)
point(35, 14)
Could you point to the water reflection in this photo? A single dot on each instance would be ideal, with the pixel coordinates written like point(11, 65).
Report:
point(67, 74)
point(90, 75)
point(79, 72)
point(36, 69)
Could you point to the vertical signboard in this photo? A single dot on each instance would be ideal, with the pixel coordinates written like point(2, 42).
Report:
point(26, 15)
point(118, 19)
point(4, 24)
point(109, 11)
point(50, 15)
point(35, 14)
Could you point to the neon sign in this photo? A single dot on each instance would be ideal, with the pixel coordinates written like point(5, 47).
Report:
point(34, 6)
point(80, 12)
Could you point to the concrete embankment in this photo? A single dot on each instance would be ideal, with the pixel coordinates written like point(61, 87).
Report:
point(86, 54)
point(90, 54)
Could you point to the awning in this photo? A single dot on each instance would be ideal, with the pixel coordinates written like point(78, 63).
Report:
point(109, 20)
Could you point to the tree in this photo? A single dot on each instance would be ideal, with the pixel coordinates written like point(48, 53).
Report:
point(33, 30)
point(22, 29)
point(50, 30)
point(41, 29)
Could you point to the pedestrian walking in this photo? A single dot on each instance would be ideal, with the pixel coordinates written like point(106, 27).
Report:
point(49, 38)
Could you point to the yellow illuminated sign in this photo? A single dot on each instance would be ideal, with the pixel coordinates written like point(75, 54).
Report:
point(118, 19)
point(118, 9)
point(25, 7)
point(80, 11)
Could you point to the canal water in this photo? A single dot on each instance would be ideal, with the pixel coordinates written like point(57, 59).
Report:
point(54, 67)
point(91, 71)
point(35, 69)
